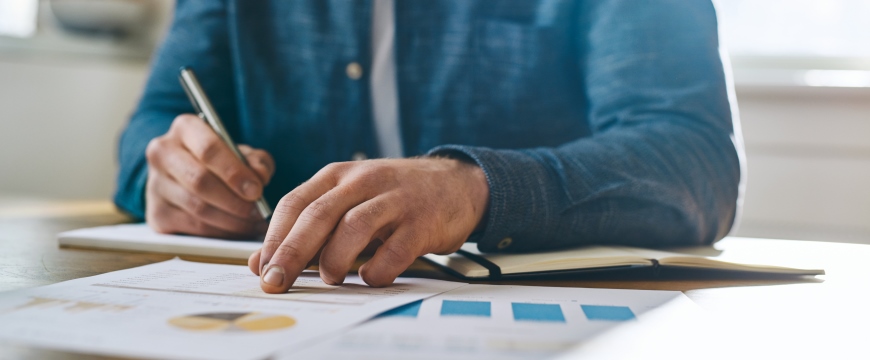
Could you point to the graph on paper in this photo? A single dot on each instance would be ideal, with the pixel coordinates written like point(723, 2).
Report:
point(521, 311)
point(492, 321)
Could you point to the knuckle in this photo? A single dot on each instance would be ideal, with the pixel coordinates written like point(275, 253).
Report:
point(396, 255)
point(234, 170)
point(197, 179)
point(341, 192)
point(317, 211)
point(180, 123)
point(371, 175)
point(272, 241)
point(155, 148)
point(196, 206)
point(333, 170)
point(289, 251)
point(332, 167)
point(358, 222)
point(184, 120)
point(209, 150)
point(290, 203)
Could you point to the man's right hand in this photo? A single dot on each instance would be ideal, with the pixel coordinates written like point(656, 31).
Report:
point(197, 186)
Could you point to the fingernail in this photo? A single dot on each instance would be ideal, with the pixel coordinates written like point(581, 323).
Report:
point(274, 276)
point(249, 189)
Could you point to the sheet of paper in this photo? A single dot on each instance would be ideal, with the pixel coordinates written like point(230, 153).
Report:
point(140, 237)
point(180, 309)
point(494, 322)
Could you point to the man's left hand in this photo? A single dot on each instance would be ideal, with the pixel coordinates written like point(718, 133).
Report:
point(404, 207)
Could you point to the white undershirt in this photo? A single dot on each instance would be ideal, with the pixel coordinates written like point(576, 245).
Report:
point(385, 100)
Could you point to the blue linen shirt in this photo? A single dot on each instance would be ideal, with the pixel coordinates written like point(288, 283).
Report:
point(604, 122)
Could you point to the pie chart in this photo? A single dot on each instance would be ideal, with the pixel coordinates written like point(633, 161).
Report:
point(233, 322)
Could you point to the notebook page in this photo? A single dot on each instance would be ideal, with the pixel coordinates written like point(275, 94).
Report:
point(585, 257)
point(140, 237)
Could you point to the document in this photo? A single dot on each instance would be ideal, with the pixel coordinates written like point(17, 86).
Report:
point(496, 322)
point(180, 309)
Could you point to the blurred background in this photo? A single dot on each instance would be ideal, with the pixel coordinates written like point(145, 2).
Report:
point(71, 72)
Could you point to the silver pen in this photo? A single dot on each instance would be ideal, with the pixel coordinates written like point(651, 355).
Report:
point(203, 107)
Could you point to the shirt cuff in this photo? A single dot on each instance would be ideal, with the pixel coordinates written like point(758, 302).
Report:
point(516, 192)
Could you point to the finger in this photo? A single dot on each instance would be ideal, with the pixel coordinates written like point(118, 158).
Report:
point(177, 195)
point(209, 149)
point(168, 219)
point(291, 206)
point(260, 161)
point(254, 262)
point(307, 236)
point(392, 258)
point(353, 234)
point(186, 170)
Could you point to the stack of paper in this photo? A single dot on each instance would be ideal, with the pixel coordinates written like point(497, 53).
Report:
point(180, 309)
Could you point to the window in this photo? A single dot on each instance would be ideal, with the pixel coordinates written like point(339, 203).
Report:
point(18, 17)
point(816, 43)
point(797, 28)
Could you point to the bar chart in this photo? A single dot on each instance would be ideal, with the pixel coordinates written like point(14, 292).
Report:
point(522, 311)
point(495, 322)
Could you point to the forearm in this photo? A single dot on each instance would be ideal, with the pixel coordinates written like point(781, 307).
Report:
point(656, 184)
point(197, 39)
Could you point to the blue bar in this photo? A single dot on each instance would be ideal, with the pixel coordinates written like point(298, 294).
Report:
point(465, 308)
point(537, 312)
point(408, 310)
point(607, 313)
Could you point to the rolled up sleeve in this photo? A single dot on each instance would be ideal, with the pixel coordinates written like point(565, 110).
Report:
point(661, 167)
point(197, 38)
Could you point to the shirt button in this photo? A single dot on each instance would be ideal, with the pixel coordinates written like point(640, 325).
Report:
point(354, 71)
point(359, 156)
point(505, 243)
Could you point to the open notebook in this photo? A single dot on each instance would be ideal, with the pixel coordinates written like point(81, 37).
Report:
point(469, 263)
point(140, 237)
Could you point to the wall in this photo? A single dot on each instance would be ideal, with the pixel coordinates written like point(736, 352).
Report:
point(808, 153)
point(64, 98)
point(58, 124)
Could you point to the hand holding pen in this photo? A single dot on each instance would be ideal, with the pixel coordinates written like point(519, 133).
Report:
point(199, 183)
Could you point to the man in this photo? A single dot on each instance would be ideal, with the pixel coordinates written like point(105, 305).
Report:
point(524, 125)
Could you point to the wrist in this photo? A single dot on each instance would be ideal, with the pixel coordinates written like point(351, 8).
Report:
point(481, 197)
point(477, 187)
point(477, 192)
